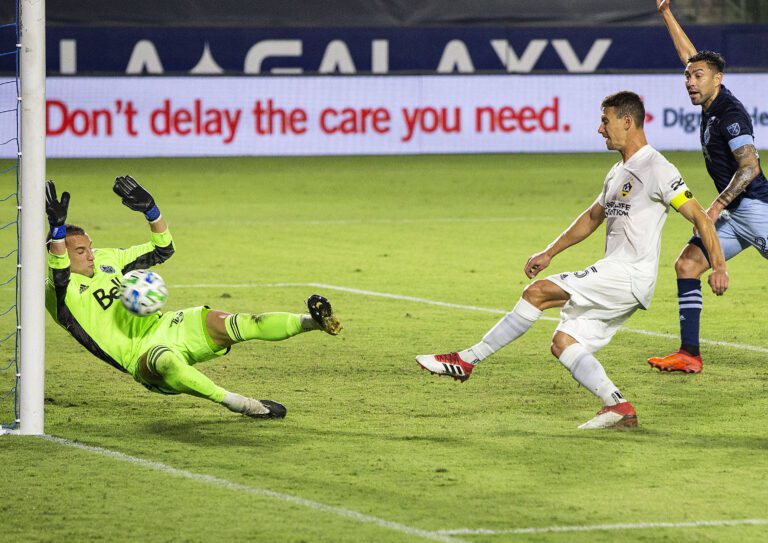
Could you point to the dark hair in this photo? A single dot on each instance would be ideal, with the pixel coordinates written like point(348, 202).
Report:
point(713, 60)
point(72, 230)
point(626, 103)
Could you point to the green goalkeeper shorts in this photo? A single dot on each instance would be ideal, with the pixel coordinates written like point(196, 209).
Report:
point(186, 334)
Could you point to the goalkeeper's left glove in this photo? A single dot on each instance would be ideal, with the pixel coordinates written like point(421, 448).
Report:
point(135, 197)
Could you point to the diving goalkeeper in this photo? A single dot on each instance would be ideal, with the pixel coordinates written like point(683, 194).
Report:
point(159, 351)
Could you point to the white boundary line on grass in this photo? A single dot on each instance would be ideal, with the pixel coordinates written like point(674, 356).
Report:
point(741, 346)
point(446, 536)
point(237, 487)
point(606, 527)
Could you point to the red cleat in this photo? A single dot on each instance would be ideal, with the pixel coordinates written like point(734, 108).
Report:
point(679, 361)
point(621, 415)
point(449, 364)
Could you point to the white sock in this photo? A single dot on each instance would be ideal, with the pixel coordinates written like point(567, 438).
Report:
point(308, 323)
point(234, 402)
point(511, 326)
point(240, 404)
point(590, 374)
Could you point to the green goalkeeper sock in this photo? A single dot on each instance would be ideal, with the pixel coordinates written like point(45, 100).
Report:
point(179, 376)
point(266, 326)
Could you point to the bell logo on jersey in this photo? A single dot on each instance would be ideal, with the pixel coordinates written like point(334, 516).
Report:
point(626, 189)
point(105, 298)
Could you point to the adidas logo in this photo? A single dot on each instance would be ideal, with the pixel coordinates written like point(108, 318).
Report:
point(682, 317)
point(83, 288)
point(453, 370)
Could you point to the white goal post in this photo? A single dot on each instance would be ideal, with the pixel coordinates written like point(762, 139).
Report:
point(33, 266)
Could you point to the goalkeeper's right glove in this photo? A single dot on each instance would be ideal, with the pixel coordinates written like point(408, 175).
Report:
point(136, 197)
point(56, 210)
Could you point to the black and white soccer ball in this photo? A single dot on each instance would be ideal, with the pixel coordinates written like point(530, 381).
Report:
point(143, 293)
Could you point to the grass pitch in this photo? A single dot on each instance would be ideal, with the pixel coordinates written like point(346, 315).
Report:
point(367, 433)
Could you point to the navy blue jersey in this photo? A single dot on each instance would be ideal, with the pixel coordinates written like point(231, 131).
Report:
point(725, 127)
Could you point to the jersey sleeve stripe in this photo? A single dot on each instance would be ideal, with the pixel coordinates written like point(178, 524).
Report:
point(741, 141)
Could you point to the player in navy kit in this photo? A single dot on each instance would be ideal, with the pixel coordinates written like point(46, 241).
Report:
point(740, 211)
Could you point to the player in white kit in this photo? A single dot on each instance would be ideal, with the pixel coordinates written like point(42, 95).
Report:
point(637, 194)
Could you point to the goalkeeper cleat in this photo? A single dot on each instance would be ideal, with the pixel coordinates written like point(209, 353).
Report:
point(679, 361)
point(449, 364)
point(263, 409)
point(621, 415)
point(321, 312)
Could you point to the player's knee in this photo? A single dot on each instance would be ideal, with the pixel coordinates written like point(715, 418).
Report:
point(558, 345)
point(534, 293)
point(686, 266)
point(555, 349)
point(162, 361)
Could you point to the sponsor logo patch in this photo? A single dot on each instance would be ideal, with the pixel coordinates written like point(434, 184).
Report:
point(677, 183)
point(617, 209)
point(106, 268)
point(105, 298)
point(734, 129)
point(626, 189)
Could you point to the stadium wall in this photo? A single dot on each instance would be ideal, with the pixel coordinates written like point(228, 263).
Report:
point(343, 13)
point(388, 50)
point(338, 115)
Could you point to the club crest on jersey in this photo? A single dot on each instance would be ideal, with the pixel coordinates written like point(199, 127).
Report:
point(626, 189)
point(106, 268)
point(734, 129)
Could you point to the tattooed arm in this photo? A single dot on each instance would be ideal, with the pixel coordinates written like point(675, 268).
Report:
point(749, 168)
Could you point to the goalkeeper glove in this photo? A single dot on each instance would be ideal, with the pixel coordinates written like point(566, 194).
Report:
point(56, 210)
point(135, 197)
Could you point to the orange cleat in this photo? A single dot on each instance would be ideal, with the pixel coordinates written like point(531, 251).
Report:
point(679, 361)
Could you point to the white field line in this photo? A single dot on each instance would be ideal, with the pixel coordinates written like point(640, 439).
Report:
point(237, 487)
point(610, 527)
point(740, 346)
point(344, 222)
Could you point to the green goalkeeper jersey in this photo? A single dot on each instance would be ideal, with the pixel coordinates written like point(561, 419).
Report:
point(89, 308)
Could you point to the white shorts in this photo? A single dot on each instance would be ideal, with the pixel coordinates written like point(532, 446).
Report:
point(601, 301)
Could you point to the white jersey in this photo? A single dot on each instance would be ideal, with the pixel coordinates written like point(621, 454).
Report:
point(636, 197)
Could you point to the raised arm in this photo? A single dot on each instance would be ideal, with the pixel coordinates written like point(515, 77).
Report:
point(584, 225)
point(718, 279)
point(57, 218)
point(58, 259)
point(160, 249)
point(683, 45)
point(136, 197)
